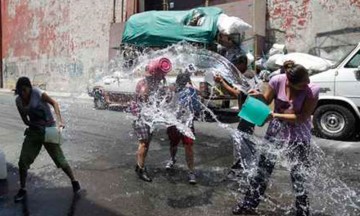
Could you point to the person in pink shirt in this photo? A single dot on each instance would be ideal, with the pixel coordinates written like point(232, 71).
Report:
point(146, 87)
point(295, 99)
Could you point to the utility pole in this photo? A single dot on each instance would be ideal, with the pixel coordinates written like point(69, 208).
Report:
point(1, 48)
point(254, 33)
point(114, 11)
point(165, 5)
point(122, 10)
point(207, 3)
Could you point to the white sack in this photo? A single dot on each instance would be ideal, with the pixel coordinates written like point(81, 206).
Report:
point(310, 62)
point(231, 25)
point(277, 49)
point(271, 62)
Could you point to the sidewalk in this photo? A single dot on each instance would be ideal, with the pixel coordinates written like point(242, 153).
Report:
point(83, 95)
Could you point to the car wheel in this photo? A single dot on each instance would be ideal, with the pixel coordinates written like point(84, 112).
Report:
point(334, 122)
point(99, 104)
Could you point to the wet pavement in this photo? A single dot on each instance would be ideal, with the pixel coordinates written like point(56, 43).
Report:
point(101, 148)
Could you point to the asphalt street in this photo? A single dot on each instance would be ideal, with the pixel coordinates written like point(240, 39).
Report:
point(101, 148)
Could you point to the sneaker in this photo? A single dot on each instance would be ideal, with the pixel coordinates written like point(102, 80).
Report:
point(20, 195)
point(170, 164)
point(302, 212)
point(142, 173)
point(231, 174)
point(192, 178)
point(76, 186)
point(243, 210)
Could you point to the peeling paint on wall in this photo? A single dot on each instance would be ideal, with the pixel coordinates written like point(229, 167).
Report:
point(290, 16)
point(355, 3)
point(64, 39)
point(297, 24)
point(31, 33)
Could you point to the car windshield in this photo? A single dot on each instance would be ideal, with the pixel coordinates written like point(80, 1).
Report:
point(347, 51)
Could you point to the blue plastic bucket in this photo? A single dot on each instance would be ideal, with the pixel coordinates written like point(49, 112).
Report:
point(254, 111)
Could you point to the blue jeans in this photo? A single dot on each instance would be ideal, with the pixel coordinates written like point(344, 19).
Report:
point(297, 153)
point(244, 147)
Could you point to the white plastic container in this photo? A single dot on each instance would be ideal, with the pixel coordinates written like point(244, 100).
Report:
point(3, 169)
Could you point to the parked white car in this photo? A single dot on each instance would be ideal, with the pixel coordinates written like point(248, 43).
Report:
point(117, 89)
point(337, 115)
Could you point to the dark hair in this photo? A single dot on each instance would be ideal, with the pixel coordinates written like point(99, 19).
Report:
point(182, 79)
point(22, 82)
point(239, 59)
point(297, 74)
point(235, 39)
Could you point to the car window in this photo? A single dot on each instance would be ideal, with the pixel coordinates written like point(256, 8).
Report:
point(354, 62)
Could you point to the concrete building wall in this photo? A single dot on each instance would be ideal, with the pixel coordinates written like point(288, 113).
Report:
point(63, 43)
point(298, 24)
point(55, 42)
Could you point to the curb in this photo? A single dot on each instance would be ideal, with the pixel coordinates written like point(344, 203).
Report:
point(55, 94)
point(5, 90)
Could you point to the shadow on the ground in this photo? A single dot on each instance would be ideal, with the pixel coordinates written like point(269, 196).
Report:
point(180, 175)
point(285, 212)
point(191, 200)
point(224, 118)
point(46, 199)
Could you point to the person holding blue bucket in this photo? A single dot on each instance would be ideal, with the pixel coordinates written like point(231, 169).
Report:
point(295, 99)
point(244, 148)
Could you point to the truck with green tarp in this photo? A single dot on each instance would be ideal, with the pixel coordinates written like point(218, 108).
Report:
point(164, 28)
point(158, 30)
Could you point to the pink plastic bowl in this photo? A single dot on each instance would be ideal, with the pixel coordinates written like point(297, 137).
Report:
point(160, 66)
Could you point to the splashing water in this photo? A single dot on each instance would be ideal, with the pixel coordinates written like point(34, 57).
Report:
point(327, 192)
point(158, 112)
point(322, 182)
point(181, 56)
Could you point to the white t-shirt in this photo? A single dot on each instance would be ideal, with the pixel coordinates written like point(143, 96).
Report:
point(37, 110)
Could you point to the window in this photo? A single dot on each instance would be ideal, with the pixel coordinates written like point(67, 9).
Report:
point(354, 62)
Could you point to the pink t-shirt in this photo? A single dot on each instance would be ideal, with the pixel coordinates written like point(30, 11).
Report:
point(285, 130)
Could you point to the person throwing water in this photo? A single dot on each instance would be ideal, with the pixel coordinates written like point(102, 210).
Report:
point(33, 106)
point(289, 131)
point(244, 148)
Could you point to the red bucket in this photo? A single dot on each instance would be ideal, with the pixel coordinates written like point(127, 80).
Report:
point(160, 66)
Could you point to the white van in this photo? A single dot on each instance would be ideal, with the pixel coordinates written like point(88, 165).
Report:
point(337, 115)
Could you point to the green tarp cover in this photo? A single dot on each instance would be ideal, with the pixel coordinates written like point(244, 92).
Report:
point(162, 28)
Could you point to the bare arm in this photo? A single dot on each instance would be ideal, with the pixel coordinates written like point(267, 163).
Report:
point(23, 117)
point(143, 93)
point(306, 112)
point(267, 97)
point(56, 107)
point(233, 91)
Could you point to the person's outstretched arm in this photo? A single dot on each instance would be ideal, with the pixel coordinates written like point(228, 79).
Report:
point(267, 97)
point(233, 91)
point(45, 97)
point(23, 116)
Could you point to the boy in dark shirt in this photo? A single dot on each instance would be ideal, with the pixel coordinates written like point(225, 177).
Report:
point(244, 148)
